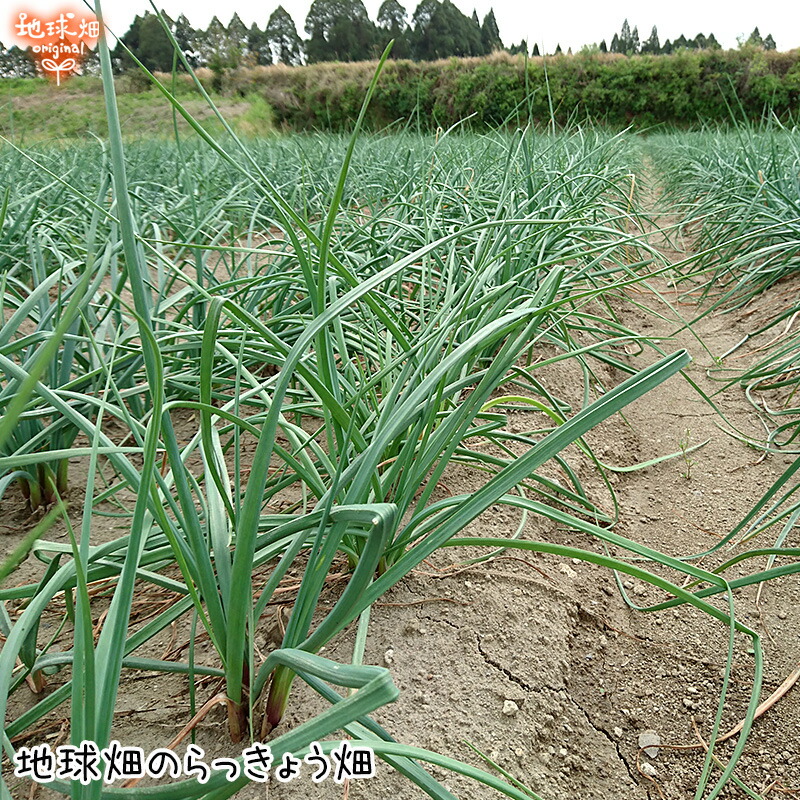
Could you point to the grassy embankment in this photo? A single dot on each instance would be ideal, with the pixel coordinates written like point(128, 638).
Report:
point(687, 88)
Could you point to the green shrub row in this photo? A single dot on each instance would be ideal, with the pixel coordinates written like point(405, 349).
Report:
point(681, 89)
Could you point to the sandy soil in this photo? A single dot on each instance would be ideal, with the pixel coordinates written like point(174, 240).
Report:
point(540, 663)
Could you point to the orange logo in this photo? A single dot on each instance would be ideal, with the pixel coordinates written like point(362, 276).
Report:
point(60, 41)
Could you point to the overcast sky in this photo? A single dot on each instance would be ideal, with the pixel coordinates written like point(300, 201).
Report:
point(547, 23)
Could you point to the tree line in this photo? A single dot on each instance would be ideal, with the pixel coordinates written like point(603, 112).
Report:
point(627, 42)
point(340, 30)
point(337, 30)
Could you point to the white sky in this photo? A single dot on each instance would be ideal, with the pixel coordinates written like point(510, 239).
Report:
point(548, 23)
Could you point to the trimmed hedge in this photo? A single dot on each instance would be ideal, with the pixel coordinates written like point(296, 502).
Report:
point(685, 88)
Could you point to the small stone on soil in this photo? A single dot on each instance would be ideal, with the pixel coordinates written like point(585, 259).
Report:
point(510, 708)
point(649, 740)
